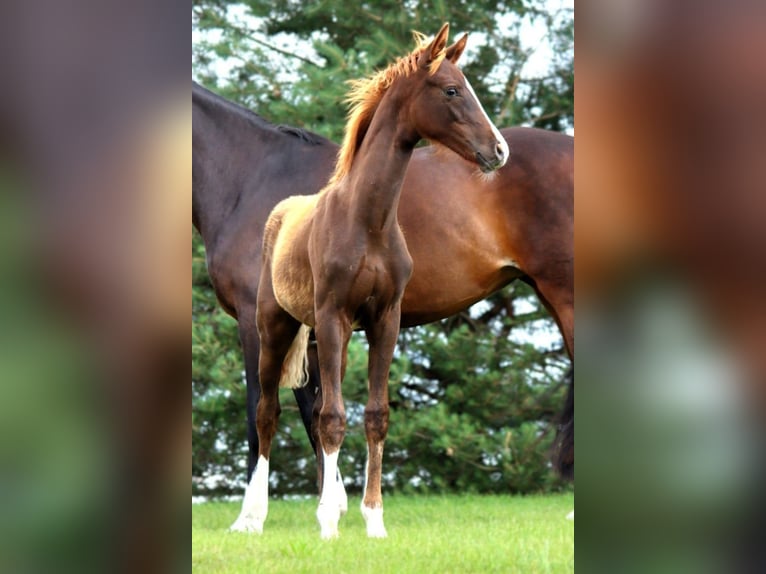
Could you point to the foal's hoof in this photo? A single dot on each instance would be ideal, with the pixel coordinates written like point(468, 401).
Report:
point(247, 524)
point(377, 532)
point(330, 533)
point(328, 517)
point(373, 517)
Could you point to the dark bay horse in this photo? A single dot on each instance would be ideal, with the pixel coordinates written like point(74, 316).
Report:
point(516, 225)
point(338, 260)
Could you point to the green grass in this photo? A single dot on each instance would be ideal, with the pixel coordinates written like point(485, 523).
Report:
point(428, 534)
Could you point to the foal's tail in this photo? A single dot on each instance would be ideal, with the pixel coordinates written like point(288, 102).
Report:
point(295, 368)
point(563, 445)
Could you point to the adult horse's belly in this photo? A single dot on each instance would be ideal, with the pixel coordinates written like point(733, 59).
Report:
point(442, 295)
point(458, 239)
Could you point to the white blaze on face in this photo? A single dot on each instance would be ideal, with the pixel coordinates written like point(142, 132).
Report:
point(495, 131)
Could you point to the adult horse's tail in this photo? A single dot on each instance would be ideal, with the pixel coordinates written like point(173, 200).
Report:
point(563, 446)
point(295, 368)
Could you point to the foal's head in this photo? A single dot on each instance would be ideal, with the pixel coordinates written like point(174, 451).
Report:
point(435, 102)
point(443, 107)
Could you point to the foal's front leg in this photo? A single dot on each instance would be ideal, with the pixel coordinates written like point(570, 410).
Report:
point(382, 339)
point(332, 332)
point(342, 496)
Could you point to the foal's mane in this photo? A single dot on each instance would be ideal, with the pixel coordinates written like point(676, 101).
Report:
point(365, 95)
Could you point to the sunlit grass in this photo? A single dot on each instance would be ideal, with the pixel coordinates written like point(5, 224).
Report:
point(436, 534)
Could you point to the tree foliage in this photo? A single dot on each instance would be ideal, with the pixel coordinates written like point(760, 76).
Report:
point(472, 397)
point(293, 58)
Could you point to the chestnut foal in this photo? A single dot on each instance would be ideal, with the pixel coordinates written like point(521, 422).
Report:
point(338, 260)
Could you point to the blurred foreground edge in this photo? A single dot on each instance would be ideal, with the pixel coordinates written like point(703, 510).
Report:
point(671, 276)
point(96, 181)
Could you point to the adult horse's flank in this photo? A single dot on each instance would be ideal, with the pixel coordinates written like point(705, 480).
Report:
point(338, 260)
point(489, 232)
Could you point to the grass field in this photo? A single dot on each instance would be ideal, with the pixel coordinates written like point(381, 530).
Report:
point(428, 534)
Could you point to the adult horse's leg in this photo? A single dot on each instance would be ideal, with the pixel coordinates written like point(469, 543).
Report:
point(382, 339)
point(305, 397)
point(333, 332)
point(251, 347)
point(278, 331)
point(557, 295)
point(558, 298)
point(563, 447)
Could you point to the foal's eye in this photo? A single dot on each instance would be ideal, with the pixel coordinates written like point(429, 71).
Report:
point(450, 92)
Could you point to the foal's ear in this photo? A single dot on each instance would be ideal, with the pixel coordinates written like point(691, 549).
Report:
point(435, 48)
point(454, 52)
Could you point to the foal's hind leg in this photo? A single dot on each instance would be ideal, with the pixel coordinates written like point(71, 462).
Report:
point(277, 330)
point(382, 339)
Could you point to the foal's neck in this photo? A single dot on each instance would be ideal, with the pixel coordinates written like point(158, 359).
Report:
point(376, 177)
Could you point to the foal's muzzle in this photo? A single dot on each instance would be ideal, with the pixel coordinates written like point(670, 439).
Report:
point(494, 160)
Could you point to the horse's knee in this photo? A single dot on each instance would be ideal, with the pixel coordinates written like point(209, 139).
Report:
point(376, 422)
point(332, 427)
